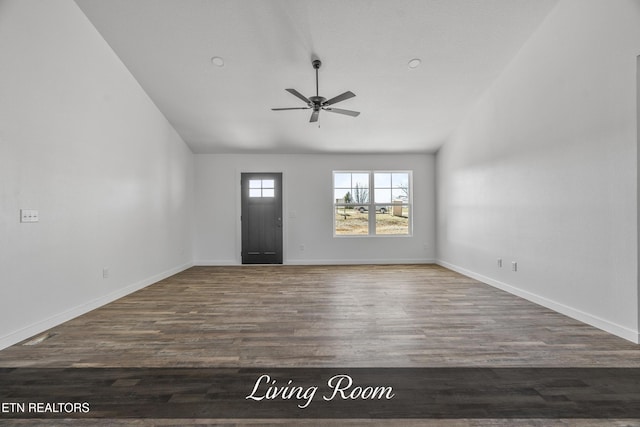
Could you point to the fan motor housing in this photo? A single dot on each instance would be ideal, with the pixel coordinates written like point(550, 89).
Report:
point(317, 100)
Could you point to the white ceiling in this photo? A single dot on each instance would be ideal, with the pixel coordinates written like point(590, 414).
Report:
point(267, 46)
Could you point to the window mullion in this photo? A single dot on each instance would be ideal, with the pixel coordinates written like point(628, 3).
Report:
point(372, 205)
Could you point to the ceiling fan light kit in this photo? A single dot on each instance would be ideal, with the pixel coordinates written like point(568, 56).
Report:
point(317, 102)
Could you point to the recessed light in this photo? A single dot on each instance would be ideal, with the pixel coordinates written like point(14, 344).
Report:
point(414, 63)
point(217, 61)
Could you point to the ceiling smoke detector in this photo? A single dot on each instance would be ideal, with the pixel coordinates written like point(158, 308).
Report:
point(414, 63)
point(217, 61)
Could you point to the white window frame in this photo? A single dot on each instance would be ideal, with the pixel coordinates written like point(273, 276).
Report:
point(372, 206)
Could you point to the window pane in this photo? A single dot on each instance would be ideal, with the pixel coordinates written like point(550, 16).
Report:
point(394, 221)
point(361, 179)
point(351, 222)
point(342, 180)
point(400, 194)
point(383, 209)
point(268, 192)
point(255, 192)
point(255, 183)
point(400, 179)
point(383, 195)
point(267, 183)
point(382, 180)
point(360, 194)
point(340, 193)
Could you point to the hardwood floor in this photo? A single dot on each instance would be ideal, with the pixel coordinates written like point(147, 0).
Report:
point(324, 316)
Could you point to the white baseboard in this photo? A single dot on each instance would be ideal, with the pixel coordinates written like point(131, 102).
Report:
point(605, 325)
point(215, 262)
point(357, 261)
point(57, 319)
point(205, 263)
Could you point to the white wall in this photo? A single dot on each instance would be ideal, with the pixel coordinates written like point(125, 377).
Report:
point(82, 143)
point(308, 209)
point(543, 171)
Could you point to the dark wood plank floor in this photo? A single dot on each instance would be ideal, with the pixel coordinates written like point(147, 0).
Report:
point(324, 316)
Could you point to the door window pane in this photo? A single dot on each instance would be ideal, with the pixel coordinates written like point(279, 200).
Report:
point(261, 188)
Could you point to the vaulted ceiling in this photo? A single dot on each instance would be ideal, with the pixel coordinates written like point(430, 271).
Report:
point(268, 45)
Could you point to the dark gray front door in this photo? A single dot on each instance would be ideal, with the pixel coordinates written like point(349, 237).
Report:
point(261, 218)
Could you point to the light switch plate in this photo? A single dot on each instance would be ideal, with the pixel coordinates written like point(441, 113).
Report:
point(28, 215)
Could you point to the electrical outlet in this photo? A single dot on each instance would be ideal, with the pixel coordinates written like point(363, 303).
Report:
point(105, 273)
point(514, 266)
point(500, 262)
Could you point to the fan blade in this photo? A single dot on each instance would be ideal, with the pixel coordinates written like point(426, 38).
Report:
point(292, 108)
point(348, 94)
point(340, 111)
point(314, 116)
point(299, 95)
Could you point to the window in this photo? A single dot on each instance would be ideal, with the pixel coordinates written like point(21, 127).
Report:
point(261, 188)
point(372, 203)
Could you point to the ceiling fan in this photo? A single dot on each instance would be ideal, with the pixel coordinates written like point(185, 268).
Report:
point(318, 102)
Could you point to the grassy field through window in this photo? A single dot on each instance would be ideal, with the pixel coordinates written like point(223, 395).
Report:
point(351, 222)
